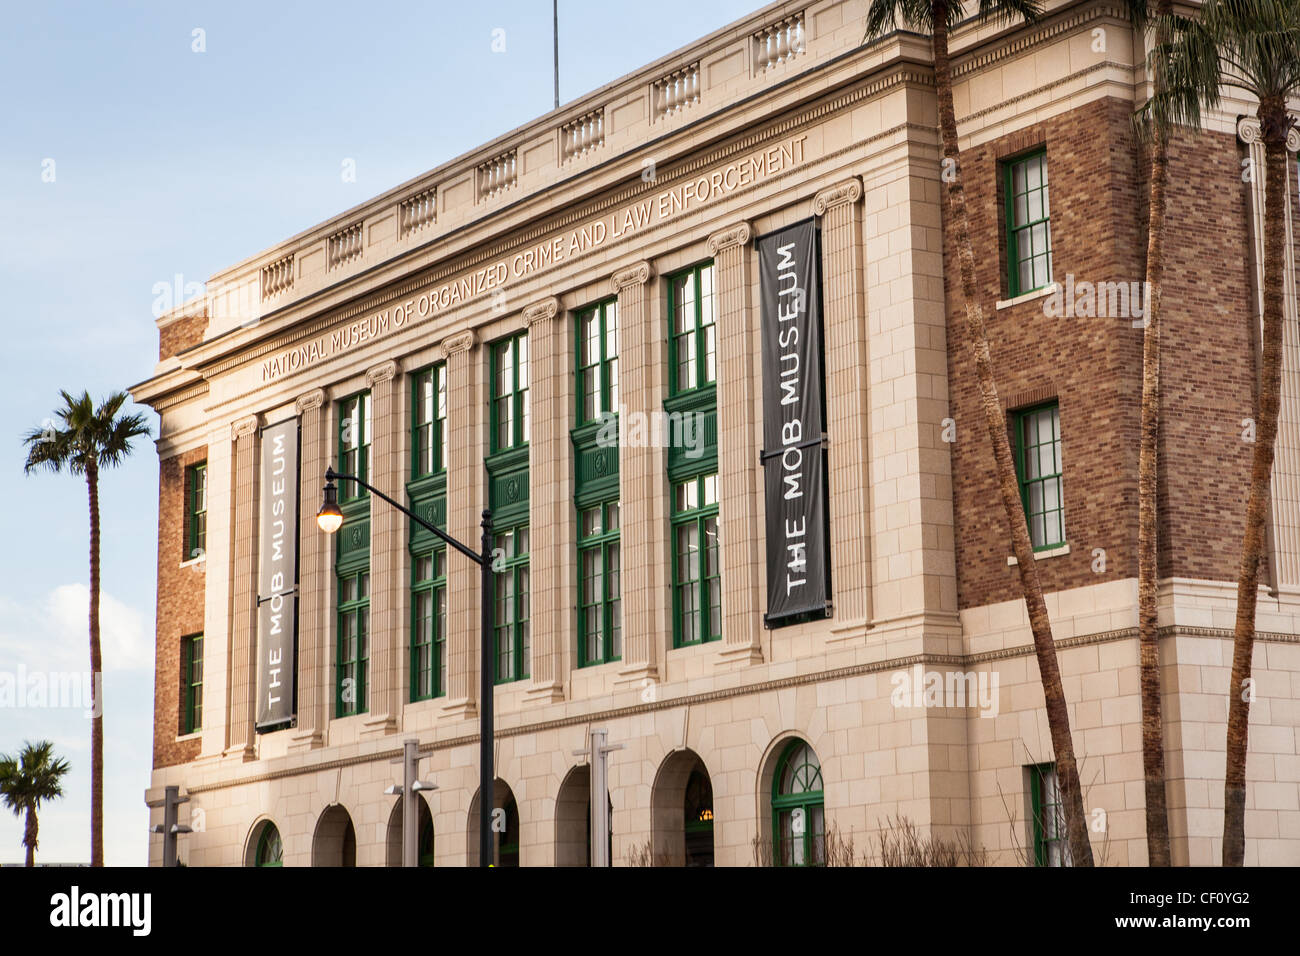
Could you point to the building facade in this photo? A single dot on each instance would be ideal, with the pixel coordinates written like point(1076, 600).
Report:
point(566, 327)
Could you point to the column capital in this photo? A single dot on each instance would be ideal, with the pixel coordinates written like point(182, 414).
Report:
point(384, 372)
point(244, 426)
point(311, 401)
point(637, 274)
point(542, 311)
point(737, 235)
point(457, 342)
point(1249, 132)
point(848, 191)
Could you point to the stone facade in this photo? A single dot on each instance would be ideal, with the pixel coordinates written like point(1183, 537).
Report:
point(686, 162)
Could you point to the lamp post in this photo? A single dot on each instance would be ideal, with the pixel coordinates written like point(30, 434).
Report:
point(330, 518)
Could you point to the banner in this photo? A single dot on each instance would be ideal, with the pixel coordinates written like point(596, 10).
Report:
point(794, 457)
point(277, 576)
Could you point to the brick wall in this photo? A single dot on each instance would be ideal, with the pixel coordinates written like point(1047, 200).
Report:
point(180, 611)
point(181, 334)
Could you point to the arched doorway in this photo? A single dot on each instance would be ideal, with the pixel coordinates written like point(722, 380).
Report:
point(573, 820)
point(393, 842)
point(335, 841)
point(265, 847)
point(682, 806)
point(798, 807)
point(504, 823)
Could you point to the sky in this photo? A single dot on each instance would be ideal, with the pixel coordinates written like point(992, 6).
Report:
point(145, 146)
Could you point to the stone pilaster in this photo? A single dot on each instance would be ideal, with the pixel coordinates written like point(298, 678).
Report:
point(386, 535)
point(466, 499)
point(738, 475)
point(243, 622)
point(642, 497)
point(313, 576)
point(847, 402)
point(550, 513)
point(218, 577)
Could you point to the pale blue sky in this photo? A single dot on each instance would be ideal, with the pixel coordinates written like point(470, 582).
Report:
point(169, 162)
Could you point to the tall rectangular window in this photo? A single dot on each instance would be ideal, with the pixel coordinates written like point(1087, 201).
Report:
point(429, 625)
point(1029, 224)
point(511, 592)
point(1038, 467)
point(192, 667)
point(600, 609)
point(697, 578)
point(353, 643)
point(354, 444)
point(598, 361)
point(509, 384)
point(1051, 846)
point(429, 421)
point(196, 511)
point(693, 308)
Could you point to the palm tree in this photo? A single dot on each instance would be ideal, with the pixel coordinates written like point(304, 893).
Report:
point(28, 781)
point(1252, 46)
point(85, 440)
point(937, 18)
point(1154, 127)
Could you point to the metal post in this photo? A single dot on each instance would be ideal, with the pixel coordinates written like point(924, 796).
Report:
point(487, 777)
point(170, 856)
point(410, 814)
point(555, 28)
point(599, 796)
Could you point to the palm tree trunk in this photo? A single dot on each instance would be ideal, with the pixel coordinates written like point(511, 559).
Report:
point(96, 672)
point(1153, 747)
point(29, 836)
point(1274, 124)
point(1058, 717)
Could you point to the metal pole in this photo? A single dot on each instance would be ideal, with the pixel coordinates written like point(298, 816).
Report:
point(486, 775)
point(410, 814)
point(555, 29)
point(170, 857)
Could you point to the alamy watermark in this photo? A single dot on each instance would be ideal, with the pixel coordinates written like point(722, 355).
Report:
point(1098, 300)
point(652, 430)
point(21, 689)
point(922, 688)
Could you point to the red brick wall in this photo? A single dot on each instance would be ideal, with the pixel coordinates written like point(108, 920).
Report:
point(1091, 365)
point(181, 334)
point(180, 611)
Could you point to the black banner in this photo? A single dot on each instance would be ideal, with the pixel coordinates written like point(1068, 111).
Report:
point(794, 457)
point(277, 576)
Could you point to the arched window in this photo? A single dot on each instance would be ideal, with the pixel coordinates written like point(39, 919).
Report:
point(798, 815)
point(698, 819)
point(270, 851)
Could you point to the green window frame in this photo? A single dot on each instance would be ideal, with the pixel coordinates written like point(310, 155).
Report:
point(196, 511)
point(600, 592)
point(270, 848)
point(192, 658)
point(1051, 846)
point(429, 624)
point(353, 656)
point(1029, 223)
point(597, 391)
point(798, 808)
point(429, 421)
point(511, 629)
point(693, 317)
point(697, 574)
point(1040, 473)
point(509, 388)
point(354, 444)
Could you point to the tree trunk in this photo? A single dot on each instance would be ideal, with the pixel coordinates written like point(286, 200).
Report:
point(29, 835)
point(97, 681)
point(1153, 747)
point(1274, 124)
point(1058, 717)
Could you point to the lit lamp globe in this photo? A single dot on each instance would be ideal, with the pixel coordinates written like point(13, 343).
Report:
point(330, 518)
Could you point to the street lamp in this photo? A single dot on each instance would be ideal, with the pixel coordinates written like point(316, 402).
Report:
point(330, 519)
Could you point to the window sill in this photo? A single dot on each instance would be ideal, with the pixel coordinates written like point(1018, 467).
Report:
point(1042, 293)
point(1039, 555)
point(194, 562)
point(195, 735)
